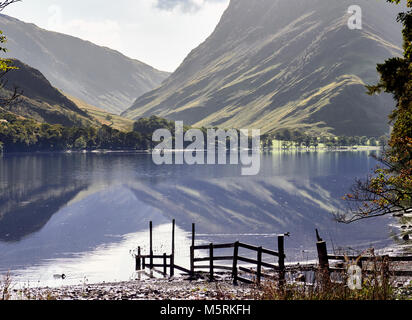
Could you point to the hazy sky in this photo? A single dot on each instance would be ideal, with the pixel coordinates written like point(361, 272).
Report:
point(158, 32)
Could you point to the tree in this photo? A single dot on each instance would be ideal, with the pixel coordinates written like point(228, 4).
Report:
point(80, 143)
point(352, 141)
point(343, 141)
point(307, 141)
point(383, 141)
point(287, 135)
point(389, 189)
point(373, 142)
point(150, 125)
point(6, 64)
point(364, 141)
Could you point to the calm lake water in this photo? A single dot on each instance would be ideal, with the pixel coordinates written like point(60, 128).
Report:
point(81, 214)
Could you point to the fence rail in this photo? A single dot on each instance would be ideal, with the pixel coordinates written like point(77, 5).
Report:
point(383, 260)
point(240, 265)
point(368, 258)
point(212, 260)
point(236, 258)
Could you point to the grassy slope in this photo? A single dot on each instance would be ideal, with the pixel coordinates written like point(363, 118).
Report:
point(116, 122)
point(39, 100)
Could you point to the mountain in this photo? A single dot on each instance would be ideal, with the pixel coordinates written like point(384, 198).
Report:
point(275, 64)
point(98, 75)
point(39, 100)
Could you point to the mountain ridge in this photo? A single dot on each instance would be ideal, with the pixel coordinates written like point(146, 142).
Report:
point(274, 65)
point(38, 99)
point(98, 75)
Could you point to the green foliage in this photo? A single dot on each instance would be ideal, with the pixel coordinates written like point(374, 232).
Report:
point(149, 125)
point(5, 64)
point(389, 190)
point(80, 143)
point(22, 135)
point(299, 140)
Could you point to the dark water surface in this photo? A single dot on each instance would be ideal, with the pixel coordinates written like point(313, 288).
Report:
point(80, 214)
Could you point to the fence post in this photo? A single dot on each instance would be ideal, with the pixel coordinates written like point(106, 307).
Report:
point(151, 244)
point(192, 253)
point(235, 259)
point(192, 263)
point(172, 257)
point(323, 255)
point(385, 273)
point(144, 263)
point(211, 262)
point(138, 260)
point(164, 264)
point(323, 258)
point(193, 234)
point(281, 251)
point(259, 265)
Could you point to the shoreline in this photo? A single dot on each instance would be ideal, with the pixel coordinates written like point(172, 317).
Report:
point(149, 289)
point(149, 152)
point(163, 289)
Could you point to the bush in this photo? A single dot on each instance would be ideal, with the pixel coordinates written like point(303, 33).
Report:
point(376, 285)
point(80, 143)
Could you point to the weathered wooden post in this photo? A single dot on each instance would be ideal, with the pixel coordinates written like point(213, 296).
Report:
point(193, 234)
point(385, 273)
point(323, 258)
point(151, 245)
point(138, 260)
point(172, 257)
point(164, 265)
point(192, 253)
point(211, 262)
point(259, 265)
point(281, 251)
point(235, 259)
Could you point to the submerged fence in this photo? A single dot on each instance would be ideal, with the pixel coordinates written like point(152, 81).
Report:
point(238, 265)
point(253, 267)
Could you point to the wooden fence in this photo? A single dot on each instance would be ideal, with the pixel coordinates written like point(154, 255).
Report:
point(239, 265)
point(255, 265)
point(253, 268)
point(385, 262)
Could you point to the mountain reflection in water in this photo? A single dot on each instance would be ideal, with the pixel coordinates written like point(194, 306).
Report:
point(80, 214)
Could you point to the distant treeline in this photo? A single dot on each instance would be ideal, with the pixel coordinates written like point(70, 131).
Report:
point(18, 134)
point(297, 139)
point(22, 135)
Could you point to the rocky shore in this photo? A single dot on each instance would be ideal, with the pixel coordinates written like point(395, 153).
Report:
point(150, 289)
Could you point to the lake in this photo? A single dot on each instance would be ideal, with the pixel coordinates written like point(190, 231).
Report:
point(81, 214)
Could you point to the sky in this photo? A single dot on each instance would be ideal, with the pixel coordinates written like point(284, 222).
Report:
point(160, 33)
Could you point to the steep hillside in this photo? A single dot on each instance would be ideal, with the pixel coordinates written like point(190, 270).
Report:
point(98, 75)
point(274, 64)
point(39, 100)
point(104, 117)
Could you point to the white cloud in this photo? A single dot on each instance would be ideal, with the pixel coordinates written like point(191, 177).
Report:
point(158, 32)
point(183, 5)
